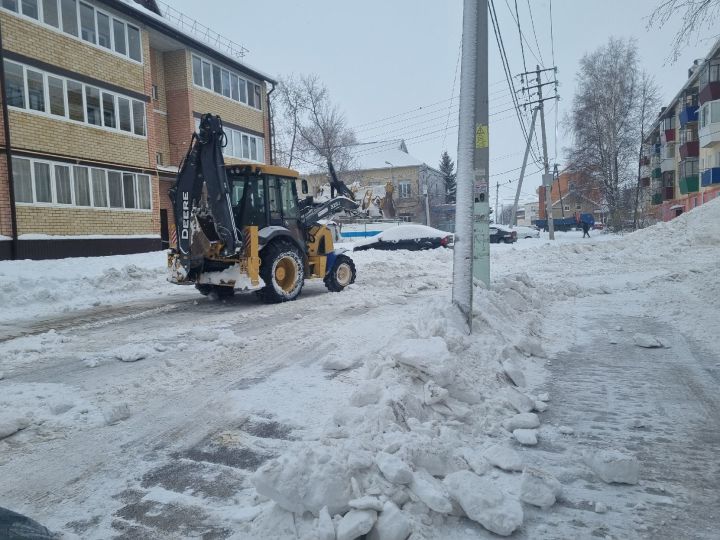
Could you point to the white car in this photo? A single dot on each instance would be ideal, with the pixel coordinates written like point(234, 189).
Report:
point(527, 232)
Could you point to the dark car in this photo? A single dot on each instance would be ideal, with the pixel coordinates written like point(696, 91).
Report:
point(410, 237)
point(499, 233)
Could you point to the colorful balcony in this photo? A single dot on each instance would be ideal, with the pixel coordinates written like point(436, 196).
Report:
point(645, 181)
point(688, 115)
point(645, 161)
point(689, 184)
point(657, 172)
point(668, 193)
point(657, 198)
point(709, 92)
point(711, 176)
point(668, 136)
point(690, 149)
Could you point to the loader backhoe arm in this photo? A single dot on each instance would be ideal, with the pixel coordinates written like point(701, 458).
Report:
point(204, 166)
point(338, 185)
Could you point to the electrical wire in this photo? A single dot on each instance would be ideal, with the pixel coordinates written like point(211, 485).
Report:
point(457, 66)
point(532, 21)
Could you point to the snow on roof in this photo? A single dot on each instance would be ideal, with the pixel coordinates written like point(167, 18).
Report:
point(383, 156)
point(202, 44)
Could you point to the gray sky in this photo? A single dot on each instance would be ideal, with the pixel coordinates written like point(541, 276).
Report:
point(382, 58)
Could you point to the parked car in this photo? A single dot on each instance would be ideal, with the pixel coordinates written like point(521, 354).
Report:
point(410, 237)
point(501, 233)
point(527, 232)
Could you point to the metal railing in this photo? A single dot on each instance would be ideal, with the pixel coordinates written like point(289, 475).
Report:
point(200, 31)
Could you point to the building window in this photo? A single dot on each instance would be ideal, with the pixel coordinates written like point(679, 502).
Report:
point(578, 207)
point(154, 92)
point(85, 103)
point(404, 189)
point(84, 21)
point(225, 83)
point(159, 158)
point(241, 145)
point(39, 181)
point(567, 208)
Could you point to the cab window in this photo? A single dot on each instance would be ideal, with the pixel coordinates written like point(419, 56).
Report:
point(254, 202)
point(289, 198)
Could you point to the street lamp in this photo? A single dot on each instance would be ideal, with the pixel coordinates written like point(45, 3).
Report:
point(392, 177)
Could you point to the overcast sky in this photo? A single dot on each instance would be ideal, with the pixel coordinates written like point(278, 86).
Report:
point(383, 60)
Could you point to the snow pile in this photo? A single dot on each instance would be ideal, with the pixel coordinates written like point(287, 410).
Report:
point(419, 434)
point(29, 289)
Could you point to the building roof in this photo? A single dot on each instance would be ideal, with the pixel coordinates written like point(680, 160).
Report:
point(159, 23)
point(383, 155)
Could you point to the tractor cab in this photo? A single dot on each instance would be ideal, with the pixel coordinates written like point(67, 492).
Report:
point(265, 196)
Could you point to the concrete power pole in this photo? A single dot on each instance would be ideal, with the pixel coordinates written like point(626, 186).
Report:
point(547, 177)
point(513, 219)
point(471, 256)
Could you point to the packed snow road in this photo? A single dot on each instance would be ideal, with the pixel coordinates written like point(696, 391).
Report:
point(130, 408)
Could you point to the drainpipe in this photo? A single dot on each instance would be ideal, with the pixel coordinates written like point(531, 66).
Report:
point(8, 154)
point(270, 120)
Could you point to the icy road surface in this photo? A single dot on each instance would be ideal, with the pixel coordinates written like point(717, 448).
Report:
point(158, 413)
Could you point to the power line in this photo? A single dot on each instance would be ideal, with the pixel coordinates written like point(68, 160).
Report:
point(532, 21)
point(520, 34)
point(457, 65)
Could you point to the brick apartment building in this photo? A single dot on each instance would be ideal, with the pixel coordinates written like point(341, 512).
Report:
point(573, 193)
point(681, 162)
point(100, 101)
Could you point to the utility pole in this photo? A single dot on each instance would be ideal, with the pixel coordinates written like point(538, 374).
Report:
point(471, 254)
point(497, 196)
point(556, 176)
point(547, 177)
point(513, 219)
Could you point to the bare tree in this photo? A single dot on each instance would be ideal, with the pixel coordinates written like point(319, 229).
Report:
point(323, 129)
point(290, 101)
point(649, 102)
point(604, 121)
point(696, 15)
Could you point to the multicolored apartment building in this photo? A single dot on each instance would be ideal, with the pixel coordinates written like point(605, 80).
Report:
point(100, 99)
point(680, 168)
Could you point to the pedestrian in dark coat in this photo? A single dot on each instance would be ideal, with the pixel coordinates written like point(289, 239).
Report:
point(586, 229)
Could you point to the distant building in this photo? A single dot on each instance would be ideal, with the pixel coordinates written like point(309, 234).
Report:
point(573, 193)
point(102, 97)
point(527, 213)
point(375, 165)
point(681, 160)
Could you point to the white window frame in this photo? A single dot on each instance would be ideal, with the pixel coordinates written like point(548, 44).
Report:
point(236, 153)
point(242, 80)
point(59, 29)
point(404, 189)
point(66, 116)
point(71, 167)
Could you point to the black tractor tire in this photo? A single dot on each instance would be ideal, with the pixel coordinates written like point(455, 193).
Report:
point(341, 274)
point(282, 268)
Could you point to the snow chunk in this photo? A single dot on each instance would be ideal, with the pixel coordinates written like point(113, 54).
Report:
point(566, 430)
point(483, 502)
point(368, 393)
point(428, 356)
point(539, 488)
point(514, 372)
point(431, 491)
point(504, 458)
point(392, 524)
point(118, 413)
point(519, 401)
point(132, 352)
point(527, 437)
point(476, 460)
point(393, 468)
point(433, 393)
point(522, 421)
point(647, 341)
point(340, 363)
point(614, 466)
point(355, 523)
point(9, 425)
point(325, 526)
point(544, 397)
point(366, 503)
point(600, 508)
point(306, 481)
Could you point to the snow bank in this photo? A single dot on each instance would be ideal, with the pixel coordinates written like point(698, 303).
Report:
point(31, 289)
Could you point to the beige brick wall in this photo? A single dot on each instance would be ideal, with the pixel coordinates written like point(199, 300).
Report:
point(79, 221)
point(230, 111)
point(63, 138)
point(33, 40)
